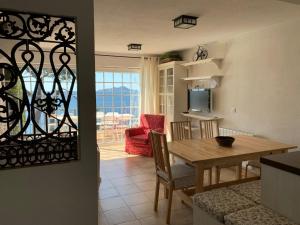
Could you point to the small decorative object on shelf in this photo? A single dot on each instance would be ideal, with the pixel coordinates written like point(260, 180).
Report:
point(225, 141)
point(170, 56)
point(201, 54)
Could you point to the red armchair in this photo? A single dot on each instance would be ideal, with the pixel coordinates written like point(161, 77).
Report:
point(137, 139)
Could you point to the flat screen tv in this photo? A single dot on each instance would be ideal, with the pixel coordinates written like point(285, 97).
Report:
point(200, 100)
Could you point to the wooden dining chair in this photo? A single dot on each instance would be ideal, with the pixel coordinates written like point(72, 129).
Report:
point(210, 129)
point(182, 130)
point(173, 177)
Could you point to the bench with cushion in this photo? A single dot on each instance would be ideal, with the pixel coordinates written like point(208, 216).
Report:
point(218, 203)
point(250, 190)
point(235, 205)
point(258, 215)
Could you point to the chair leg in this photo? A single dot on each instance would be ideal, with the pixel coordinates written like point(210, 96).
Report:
point(156, 194)
point(218, 174)
point(246, 171)
point(239, 171)
point(210, 172)
point(173, 158)
point(166, 193)
point(169, 204)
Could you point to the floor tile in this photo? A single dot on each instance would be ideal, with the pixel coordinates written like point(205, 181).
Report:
point(152, 220)
point(108, 193)
point(146, 185)
point(112, 203)
point(128, 189)
point(121, 181)
point(143, 177)
point(102, 219)
point(136, 222)
point(135, 199)
point(182, 216)
point(105, 184)
point(121, 215)
point(176, 204)
point(144, 210)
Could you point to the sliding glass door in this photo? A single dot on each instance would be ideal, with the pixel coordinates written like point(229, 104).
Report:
point(118, 104)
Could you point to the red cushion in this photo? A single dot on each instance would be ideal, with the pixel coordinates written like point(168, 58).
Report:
point(152, 122)
point(142, 138)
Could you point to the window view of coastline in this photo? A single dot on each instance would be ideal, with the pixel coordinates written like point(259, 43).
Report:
point(47, 77)
point(118, 104)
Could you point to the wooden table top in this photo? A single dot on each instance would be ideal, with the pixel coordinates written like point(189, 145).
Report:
point(208, 150)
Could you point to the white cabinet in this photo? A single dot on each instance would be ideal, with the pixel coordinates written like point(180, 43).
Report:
point(172, 92)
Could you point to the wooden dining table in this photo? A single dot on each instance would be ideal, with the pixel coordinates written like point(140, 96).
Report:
point(206, 153)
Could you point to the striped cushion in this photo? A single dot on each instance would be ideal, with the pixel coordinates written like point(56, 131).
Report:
point(220, 202)
point(258, 215)
point(250, 190)
point(183, 175)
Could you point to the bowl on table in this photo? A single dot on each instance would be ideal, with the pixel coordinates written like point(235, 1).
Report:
point(225, 141)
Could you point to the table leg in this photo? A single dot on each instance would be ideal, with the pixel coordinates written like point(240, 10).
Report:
point(239, 172)
point(199, 178)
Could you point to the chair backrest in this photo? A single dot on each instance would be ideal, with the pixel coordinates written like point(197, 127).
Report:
point(153, 122)
point(161, 154)
point(181, 130)
point(209, 128)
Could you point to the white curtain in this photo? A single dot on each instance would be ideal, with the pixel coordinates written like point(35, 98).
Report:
point(149, 85)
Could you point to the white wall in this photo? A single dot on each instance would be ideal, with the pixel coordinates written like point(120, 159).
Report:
point(105, 62)
point(261, 80)
point(61, 194)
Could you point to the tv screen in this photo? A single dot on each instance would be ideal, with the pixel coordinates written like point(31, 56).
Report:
point(199, 100)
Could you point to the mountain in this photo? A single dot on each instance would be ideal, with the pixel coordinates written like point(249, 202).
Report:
point(116, 97)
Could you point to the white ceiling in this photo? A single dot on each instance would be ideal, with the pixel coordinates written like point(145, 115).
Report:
point(149, 22)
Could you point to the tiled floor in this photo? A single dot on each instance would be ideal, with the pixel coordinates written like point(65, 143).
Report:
point(127, 192)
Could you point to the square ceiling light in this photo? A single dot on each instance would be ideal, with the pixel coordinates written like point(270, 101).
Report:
point(134, 47)
point(185, 22)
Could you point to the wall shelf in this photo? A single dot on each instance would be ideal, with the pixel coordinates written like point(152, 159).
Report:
point(211, 77)
point(203, 61)
point(201, 116)
point(212, 81)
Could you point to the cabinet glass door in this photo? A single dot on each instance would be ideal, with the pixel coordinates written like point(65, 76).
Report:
point(162, 104)
point(162, 81)
point(170, 81)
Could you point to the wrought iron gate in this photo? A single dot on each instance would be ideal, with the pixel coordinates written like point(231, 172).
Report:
point(32, 42)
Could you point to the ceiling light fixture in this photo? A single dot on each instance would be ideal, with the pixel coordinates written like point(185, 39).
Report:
point(185, 22)
point(134, 47)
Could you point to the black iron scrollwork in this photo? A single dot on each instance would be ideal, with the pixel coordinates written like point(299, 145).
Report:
point(36, 126)
point(36, 27)
point(48, 104)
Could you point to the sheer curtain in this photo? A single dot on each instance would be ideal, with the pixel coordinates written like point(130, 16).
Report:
point(149, 85)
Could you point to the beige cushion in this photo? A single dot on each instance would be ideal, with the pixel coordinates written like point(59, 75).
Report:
point(258, 215)
point(183, 176)
point(250, 190)
point(220, 202)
